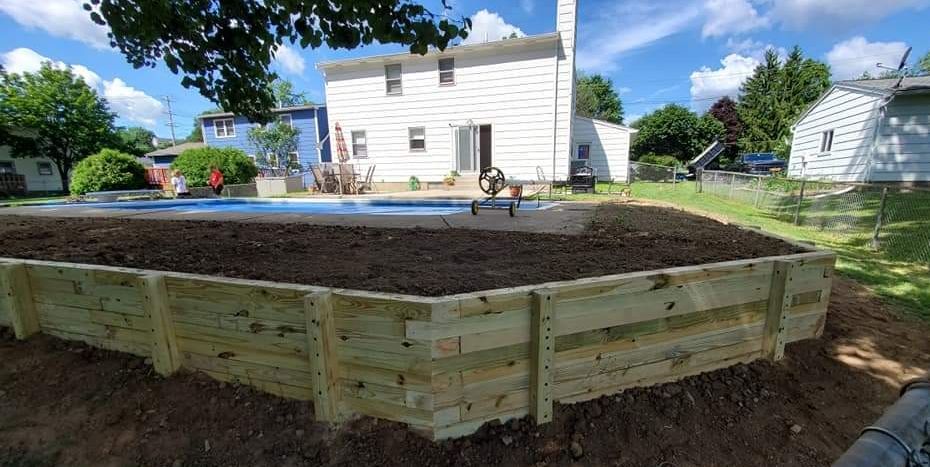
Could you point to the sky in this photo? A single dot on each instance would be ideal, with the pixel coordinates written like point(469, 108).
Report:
point(688, 52)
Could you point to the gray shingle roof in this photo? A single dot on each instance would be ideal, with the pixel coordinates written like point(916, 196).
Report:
point(175, 150)
point(887, 85)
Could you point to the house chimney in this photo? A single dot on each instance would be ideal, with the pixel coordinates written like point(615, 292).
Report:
point(566, 26)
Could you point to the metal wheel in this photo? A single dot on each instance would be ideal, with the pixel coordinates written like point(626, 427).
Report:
point(491, 180)
point(512, 209)
point(474, 208)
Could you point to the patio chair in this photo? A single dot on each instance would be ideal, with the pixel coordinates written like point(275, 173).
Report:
point(347, 179)
point(317, 177)
point(368, 183)
point(324, 178)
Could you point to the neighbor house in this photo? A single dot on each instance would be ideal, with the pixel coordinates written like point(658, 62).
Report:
point(162, 158)
point(40, 173)
point(866, 131)
point(507, 103)
point(228, 130)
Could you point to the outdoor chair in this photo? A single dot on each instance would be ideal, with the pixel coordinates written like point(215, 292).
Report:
point(347, 179)
point(324, 178)
point(368, 183)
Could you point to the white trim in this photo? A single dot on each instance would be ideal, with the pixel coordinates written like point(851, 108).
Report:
point(441, 71)
point(399, 79)
point(610, 124)
point(578, 145)
point(290, 119)
point(352, 142)
point(216, 127)
point(51, 169)
point(410, 138)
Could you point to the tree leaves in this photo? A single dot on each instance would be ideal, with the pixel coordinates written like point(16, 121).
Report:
point(595, 97)
point(675, 131)
point(223, 48)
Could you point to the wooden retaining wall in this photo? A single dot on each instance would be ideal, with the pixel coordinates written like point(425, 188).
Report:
point(443, 365)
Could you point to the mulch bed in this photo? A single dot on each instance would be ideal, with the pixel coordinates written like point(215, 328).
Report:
point(63, 403)
point(622, 238)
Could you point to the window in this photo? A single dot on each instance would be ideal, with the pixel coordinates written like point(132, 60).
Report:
point(6, 167)
point(826, 141)
point(45, 168)
point(584, 152)
point(392, 79)
point(417, 136)
point(359, 144)
point(293, 160)
point(446, 71)
point(224, 128)
point(286, 119)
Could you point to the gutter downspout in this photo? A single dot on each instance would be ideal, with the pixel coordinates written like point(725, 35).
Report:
point(882, 107)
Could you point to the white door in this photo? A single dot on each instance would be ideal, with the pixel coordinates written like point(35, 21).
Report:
point(466, 148)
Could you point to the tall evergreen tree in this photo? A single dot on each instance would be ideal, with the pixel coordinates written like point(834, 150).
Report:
point(775, 95)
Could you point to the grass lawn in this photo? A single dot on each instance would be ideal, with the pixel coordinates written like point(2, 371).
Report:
point(906, 283)
point(16, 201)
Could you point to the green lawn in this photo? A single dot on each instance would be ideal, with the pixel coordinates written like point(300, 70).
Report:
point(16, 201)
point(906, 283)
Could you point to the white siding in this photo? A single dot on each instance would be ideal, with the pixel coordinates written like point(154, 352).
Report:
point(852, 116)
point(902, 153)
point(610, 147)
point(511, 88)
point(30, 168)
point(566, 26)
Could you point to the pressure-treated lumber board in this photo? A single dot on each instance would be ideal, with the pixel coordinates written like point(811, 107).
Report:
point(141, 347)
point(324, 359)
point(773, 339)
point(165, 351)
point(542, 355)
point(388, 394)
point(247, 370)
point(271, 387)
point(282, 352)
point(15, 287)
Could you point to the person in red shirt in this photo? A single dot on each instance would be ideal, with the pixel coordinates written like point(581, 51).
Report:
point(216, 180)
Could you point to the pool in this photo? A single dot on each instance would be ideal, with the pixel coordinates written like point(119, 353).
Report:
point(379, 207)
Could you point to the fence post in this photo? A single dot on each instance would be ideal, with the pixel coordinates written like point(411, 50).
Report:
point(699, 178)
point(732, 182)
point(797, 208)
point(14, 284)
point(776, 317)
point(755, 203)
point(542, 354)
point(166, 356)
point(879, 219)
point(324, 360)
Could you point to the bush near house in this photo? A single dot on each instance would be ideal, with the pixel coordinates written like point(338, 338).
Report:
point(195, 164)
point(107, 170)
point(667, 161)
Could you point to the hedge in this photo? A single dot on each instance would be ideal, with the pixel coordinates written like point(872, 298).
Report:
point(107, 170)
point(195, 164)
point(667, 161)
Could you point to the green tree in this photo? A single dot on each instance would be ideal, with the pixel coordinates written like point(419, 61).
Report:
point(195, 163)
point(136, 141)
point(285, 96)
point(775, 95)
point(595, 97)
point(107, 170)
point(224, 48)
point(725, 111)
point(674, 131)
point(923, 65)
point(53, 113)
point(274, 143)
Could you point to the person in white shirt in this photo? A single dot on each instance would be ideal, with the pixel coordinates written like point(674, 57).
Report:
point(180, 185)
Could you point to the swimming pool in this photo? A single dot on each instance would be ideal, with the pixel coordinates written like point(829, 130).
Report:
point(380, 207)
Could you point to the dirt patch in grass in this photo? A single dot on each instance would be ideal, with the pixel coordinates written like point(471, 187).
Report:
point(623, 238)
point(62, 403)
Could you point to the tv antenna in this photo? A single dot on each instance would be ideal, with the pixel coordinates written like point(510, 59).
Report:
point(902, 68)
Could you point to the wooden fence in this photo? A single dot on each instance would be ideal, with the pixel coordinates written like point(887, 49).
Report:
point(443, 365)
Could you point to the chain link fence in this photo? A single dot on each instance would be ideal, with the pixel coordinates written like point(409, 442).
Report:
point(643, 172)
point(890, 218)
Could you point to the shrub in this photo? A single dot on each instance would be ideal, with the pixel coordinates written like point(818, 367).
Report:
point(106, 171)
point(195, 165)
point(667, 161)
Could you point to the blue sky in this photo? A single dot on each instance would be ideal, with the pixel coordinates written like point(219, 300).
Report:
point(687, 52)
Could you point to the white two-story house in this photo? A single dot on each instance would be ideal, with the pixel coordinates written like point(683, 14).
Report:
point(507, 104)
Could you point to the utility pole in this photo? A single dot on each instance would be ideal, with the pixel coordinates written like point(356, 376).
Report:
point(170, 120)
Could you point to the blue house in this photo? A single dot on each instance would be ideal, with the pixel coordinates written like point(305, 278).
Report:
point(229, 130)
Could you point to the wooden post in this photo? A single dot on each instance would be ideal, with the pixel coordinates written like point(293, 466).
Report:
point(166, 356)
point(14, 285)
point(755, 204)
point(699, 178)
point(324, 361)
point(879, 220)
point(776, 318)
point(797, 208)
point(732, 182)
point(542, 356)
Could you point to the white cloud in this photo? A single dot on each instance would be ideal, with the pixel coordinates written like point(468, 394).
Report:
point(837, 14)
point(528, 6)
point(128, 102)
point(131, 103)
point(60, 18)
point(628, 26)
point(488, 27)
point(707, 84)
point(624, 90)
point(731, 17)
point(290, 60)
point(850, 58)
point(23, 60)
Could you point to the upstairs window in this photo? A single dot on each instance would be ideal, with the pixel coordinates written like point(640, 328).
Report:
point(392, 75)
point(359, 144)
point(6, 167)
point(45, 168)
point(286, 119)
point(826, 141)
point(446, 71)
point(224, 128)
point(417, 137)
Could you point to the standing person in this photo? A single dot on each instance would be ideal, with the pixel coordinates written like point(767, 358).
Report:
point(180, 185)
point(216, 180)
